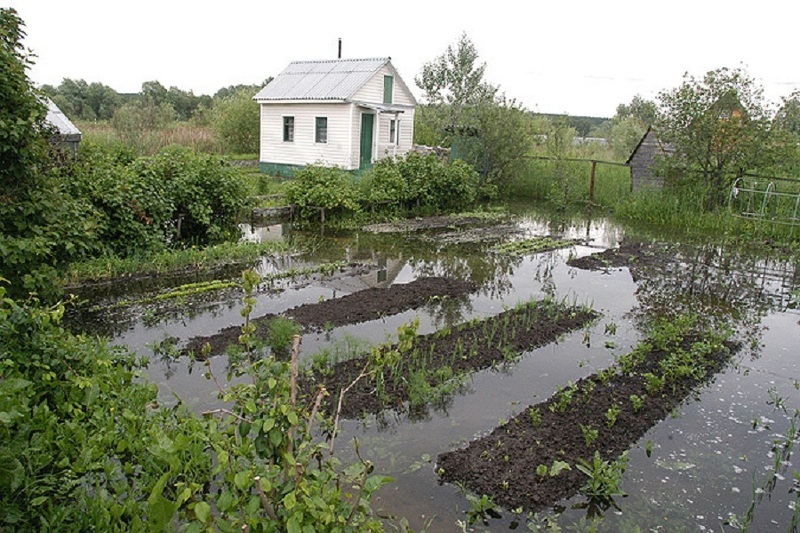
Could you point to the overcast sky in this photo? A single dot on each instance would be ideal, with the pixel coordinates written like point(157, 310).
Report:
point(577, 57)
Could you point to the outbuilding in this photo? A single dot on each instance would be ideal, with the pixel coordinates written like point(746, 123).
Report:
point(346, 113)
point(644, 160)
point(65, 134)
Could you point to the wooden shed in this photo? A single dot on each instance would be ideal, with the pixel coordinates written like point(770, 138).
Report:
point(644, 159)
point(345, 113)
point(66, 136)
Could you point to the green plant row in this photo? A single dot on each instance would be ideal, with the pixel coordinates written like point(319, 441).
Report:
point(193, 258)
point(677, 355)
point(533, 246)
point(426, 369)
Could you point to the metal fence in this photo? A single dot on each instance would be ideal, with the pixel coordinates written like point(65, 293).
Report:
point(763, 200)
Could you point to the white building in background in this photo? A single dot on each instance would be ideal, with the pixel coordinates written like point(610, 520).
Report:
point(346, 113)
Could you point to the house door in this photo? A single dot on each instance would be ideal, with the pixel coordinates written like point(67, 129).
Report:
point(367, 123)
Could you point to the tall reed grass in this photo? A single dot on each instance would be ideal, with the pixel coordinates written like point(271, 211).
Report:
point(150, 142)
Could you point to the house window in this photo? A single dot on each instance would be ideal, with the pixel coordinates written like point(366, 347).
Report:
point(321, 130)
point(388, 88)
point(393, 131)
point(288, 129)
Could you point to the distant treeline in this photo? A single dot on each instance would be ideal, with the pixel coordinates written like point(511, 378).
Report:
point(583, 125)
point(85, 101)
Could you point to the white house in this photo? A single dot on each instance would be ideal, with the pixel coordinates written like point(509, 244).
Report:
point(343, 112)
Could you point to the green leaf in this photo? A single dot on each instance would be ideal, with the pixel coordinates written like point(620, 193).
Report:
point(12, 473)
point(225, 501)
point(242, 480)
point(289, 501)
point(377, 481)
point(202, 511)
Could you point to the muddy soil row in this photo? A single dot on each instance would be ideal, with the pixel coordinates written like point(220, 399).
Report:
point(361, 306)
point(503, 464)
point(440, 358)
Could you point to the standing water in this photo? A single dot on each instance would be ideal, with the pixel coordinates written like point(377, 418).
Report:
point(723, 460)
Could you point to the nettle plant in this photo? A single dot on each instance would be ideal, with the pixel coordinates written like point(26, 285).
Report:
point(84, 444)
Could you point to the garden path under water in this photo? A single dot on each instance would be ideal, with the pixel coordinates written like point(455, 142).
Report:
point(703, 464)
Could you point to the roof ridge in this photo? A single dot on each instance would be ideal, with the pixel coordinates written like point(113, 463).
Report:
point(386, 58)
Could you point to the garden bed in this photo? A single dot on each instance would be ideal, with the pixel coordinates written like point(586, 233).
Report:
point(421, 370)
point(361, 306)
point(531, 461)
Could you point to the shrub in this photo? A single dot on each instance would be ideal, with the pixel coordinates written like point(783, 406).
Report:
point(383, 183)
point(147, 204)
point(84, 445)
point(438, 185)
point(329, 189)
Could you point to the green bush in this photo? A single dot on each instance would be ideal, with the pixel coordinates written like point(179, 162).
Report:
point(205, 193)
point(316, 187)
point(438, 185)
point(383, 183)
point(148, 204)
point(84, 445)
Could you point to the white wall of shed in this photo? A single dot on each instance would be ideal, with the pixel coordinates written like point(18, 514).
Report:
point(304, 150)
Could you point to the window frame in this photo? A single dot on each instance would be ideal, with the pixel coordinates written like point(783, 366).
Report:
point(393, 123)
point(318, 121)
point(288, 129)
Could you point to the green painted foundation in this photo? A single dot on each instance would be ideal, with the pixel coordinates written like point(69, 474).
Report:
point(284, 170)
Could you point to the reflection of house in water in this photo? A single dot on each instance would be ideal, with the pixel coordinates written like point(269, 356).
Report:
point(272, 233)
point(383, 276)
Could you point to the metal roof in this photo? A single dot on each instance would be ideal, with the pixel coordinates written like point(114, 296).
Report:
point(59, 120)
point(336, 79)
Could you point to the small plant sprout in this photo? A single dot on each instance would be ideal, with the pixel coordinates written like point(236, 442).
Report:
point(612, 414)
point(589, 434)
point(637, 402)
point(536, 416)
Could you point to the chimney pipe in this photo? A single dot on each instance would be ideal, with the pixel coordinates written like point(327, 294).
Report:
point(340, 47)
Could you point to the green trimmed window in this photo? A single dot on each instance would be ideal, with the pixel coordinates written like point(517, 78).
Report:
point(388, 89)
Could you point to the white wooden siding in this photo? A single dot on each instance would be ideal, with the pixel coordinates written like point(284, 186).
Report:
point(372, 91)
point(344, 128)
point(304, 150)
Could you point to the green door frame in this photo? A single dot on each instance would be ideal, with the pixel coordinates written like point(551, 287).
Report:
point(367, 128)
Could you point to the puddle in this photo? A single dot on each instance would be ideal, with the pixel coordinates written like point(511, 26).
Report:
point(700, 468)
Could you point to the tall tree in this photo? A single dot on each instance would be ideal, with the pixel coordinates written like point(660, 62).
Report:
point(484, 127)
point(455, 79)
point(235, 121)
point(719, 125)
point(41, 228)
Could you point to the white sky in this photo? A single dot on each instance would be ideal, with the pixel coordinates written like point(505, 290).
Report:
point(582, 57)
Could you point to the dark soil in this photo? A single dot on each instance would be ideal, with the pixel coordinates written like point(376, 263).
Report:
point(503, 464)
point(361, 306)
point(372, 304)
point(636, 256)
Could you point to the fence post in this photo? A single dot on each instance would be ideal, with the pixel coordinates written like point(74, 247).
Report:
point(591, 181)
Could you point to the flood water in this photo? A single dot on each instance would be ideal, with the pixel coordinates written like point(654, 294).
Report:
point(710, 462)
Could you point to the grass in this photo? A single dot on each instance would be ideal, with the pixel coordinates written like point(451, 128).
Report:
point(149, 142)
point(212, 257)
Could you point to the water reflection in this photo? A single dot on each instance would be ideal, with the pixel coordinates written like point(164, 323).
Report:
point(715, 433)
